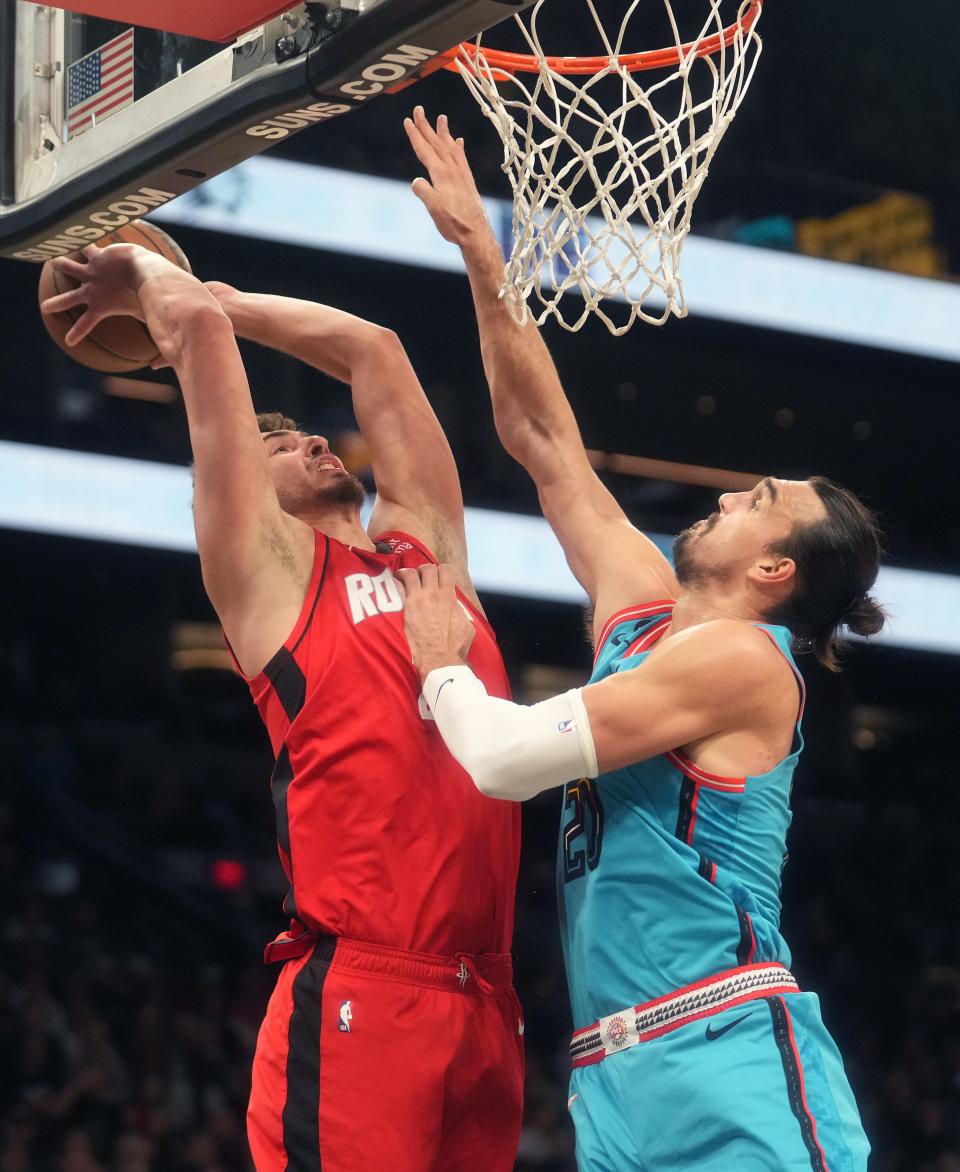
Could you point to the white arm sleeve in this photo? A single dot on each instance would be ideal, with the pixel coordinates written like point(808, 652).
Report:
point(510, 750)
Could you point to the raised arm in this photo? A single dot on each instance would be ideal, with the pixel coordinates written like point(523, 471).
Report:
point(256, 560)
point(418, 489)
point(615, 563)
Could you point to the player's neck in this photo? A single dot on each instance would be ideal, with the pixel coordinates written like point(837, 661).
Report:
point(342, 523)
point(695, 606)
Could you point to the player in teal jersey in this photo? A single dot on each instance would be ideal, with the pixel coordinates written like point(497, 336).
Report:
point(693, 1046)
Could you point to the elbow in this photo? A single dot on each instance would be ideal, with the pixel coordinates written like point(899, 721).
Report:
point(494, 778)
point(486, 778)
point(382, 344)
point(365, 338)
point(372, 350)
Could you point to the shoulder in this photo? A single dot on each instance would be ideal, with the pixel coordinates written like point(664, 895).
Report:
point(731, 654)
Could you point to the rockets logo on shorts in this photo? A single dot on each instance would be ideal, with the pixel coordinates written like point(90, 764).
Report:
point(346, 1017)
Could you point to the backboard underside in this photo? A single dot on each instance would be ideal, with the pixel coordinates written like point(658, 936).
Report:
point(102, 122)
point(212, 22)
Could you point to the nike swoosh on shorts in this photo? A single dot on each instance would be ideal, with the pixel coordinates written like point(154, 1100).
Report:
point(713, 1034)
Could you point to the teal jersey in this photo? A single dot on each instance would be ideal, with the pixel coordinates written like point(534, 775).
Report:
point(668, 874)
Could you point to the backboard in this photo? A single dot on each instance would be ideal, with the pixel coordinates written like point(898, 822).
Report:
point(102, 120)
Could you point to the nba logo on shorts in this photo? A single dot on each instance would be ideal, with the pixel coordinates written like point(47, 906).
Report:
point(346, 1017)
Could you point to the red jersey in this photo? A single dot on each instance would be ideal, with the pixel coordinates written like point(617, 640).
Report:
point(382, 836)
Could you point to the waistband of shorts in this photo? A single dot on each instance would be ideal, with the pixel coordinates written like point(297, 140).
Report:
point(640, 1023)
point(465, 972)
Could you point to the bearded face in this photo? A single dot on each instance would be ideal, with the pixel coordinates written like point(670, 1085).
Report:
point(301, 495)
point(307, 476)
point(689, 563)
point(345, 490)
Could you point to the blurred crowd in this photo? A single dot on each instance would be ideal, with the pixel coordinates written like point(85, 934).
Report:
point(131, 988)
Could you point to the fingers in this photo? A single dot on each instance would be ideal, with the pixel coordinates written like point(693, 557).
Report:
point(430, 145)
point(81, 327)
point(426, 194)
point(70, 268)
point(63, 301)
point(422, 123)
point(423, 147)
point(428, 576)
point(443, 132)
point(409, 581)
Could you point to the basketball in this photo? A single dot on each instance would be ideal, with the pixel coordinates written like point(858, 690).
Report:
point(119, 343)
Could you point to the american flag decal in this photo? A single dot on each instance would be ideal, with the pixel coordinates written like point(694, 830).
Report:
point(100, 84)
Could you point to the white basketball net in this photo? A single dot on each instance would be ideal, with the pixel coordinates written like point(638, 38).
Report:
point(603, 196)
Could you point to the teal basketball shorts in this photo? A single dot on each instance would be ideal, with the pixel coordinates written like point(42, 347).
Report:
point(758, 1086)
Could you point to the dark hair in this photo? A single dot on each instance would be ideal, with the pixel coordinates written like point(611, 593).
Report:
point(275, 421)
point(837, 562)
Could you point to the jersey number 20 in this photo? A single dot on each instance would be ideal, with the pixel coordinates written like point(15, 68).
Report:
point(583, 832)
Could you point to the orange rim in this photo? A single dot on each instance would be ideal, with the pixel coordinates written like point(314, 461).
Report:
point(633, 62)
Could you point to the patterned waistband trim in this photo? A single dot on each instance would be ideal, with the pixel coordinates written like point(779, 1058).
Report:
point(619, 1031)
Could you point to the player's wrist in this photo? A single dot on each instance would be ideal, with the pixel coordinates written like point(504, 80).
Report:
point(478, 245)
point(237, 305)
point(437, 661)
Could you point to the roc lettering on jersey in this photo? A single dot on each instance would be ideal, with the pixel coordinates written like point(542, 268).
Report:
point(369, 596)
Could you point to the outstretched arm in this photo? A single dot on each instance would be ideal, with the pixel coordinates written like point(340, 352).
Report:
point(418, 489)
point(612, 560)
point(720, 688)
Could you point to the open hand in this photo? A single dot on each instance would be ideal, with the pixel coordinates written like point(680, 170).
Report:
point(107, 283)
point(436, 624)
point(451, 195)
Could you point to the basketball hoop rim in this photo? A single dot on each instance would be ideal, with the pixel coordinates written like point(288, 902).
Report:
point(632, 62)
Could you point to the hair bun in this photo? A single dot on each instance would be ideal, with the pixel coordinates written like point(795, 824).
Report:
point(865, 616)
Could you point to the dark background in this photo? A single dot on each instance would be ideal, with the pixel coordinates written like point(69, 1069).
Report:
point(130, 988)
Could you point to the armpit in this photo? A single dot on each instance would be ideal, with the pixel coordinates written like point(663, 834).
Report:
point(443, 547)
point(276, 540)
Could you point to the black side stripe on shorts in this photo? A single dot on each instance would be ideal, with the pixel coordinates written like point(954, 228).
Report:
point(794, 1076)
point(707, 869)
point(747, 947)
point(301, 1111)
point(688, 792)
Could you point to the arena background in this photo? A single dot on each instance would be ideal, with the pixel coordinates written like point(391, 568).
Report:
point(138, 874)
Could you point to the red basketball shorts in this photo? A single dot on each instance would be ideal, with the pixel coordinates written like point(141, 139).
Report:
point(372, 1057)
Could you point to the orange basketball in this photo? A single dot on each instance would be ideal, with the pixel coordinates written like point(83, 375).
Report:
point(118, 343)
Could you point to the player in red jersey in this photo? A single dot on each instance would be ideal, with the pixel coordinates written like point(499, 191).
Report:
point(393, 1037)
